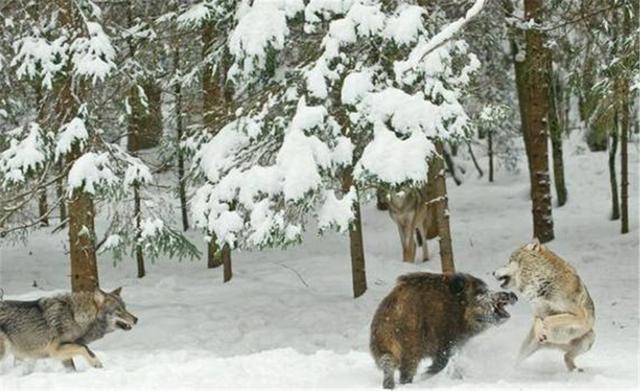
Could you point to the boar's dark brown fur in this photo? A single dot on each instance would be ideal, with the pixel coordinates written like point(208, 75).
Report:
point(427, 315)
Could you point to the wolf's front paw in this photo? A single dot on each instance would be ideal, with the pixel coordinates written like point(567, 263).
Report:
point(97, 364)
point(540, 330)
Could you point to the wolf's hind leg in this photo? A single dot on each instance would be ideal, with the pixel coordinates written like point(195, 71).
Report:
point(562, 328)
point(529, 346)
point(66, 351)
point(576, 347)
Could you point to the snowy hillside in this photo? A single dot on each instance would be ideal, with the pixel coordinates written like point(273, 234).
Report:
point(287, 319)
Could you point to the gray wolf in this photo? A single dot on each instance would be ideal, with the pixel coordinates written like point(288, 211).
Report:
point(429, 315)
point(564, 313)
point(62, 326)
point(415, 216)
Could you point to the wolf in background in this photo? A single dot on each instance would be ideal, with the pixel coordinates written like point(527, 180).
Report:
point(564, 313)
point(414, 212)
point(61, 326)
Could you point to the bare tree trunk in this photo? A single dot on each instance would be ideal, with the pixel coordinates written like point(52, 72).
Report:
point(521, 74)
point(182, 191)
point(537, 116)
point(613, 147)
point(437, 175)
point(451, 167)
point(82, 251)
point(624, 162)
point(138, 214)
point(625, 128)
point(43, 205)
point(556, 136)
point(490, 152)
point(60, 195)
point(475, 162)
point(226, 262)
point(356, 242)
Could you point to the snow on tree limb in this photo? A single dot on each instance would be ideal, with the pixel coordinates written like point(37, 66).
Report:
point(446, 34)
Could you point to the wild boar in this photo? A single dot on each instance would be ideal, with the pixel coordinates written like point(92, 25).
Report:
point(428, 315)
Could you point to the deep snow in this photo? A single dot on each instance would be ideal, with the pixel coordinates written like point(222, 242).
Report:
point(287, 319)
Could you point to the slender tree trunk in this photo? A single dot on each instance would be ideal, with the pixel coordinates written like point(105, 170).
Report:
point(451, 167)
point(356, 242)
point(182, 191)
point(613, 147)
point(537, 117)
point(138, 214)
point(62, 205)
point(624, 163)
point(437, 174)
point(43, 205)
point(521, 74)
point(474, 160)
point(490, 152)
point(226, 262)
point(556, 135)
point(625, 127)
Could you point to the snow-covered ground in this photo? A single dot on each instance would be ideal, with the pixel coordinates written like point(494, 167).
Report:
point(287, 319)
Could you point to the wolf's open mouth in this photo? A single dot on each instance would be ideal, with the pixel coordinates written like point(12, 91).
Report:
point(122, 325)
point(504, 281)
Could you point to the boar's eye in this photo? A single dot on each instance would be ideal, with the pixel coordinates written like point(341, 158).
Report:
point(457, 284)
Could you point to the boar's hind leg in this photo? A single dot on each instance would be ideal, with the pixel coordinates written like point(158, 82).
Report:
point(388, 364)
point(440, 361)
point(408, 370)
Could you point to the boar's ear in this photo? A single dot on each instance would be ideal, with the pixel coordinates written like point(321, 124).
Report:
point(457, 283)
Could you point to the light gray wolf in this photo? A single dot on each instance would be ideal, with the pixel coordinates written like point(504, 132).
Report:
point(564, 313)
point(61, 326)
point(429, 315)
point(415, 216)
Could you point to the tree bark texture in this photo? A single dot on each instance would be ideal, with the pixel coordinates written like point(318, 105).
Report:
point(356, 242)
point(537, 113)
point(556, 135)
point(437, 175)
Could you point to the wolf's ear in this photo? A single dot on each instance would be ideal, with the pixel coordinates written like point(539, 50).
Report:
point(117, 291)
point(535, 245)
point(98, 296)
point(457, 283)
